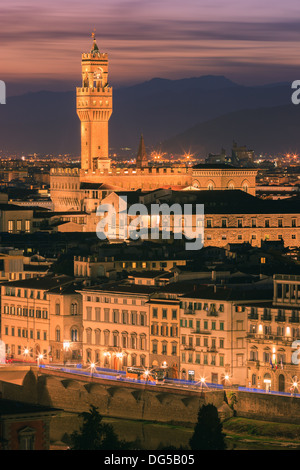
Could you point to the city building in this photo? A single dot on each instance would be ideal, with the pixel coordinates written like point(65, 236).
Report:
point(164, 334)
point(116, 325)
point(213, 334)
point(25, 426)
point(273, 336)
point(229, 217)
point(68, 186)
point(41, 318)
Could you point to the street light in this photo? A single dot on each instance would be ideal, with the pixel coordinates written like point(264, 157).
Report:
point(93, 368)
point(66, 348)
point(40, 357)
point(227, 379)
point(119, 355)
point(295, 385)
point(146, 375)
point(106, 354)
point(26, 352)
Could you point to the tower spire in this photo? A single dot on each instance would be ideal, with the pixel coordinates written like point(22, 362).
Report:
point(94, 108)
point(141, 159)
point(95, 47)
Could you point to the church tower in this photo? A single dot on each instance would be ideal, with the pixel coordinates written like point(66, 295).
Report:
point(141, 159)
point(94, 108)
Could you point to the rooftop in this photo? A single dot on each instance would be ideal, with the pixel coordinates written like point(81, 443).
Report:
point(47, 283)
point(11, 407)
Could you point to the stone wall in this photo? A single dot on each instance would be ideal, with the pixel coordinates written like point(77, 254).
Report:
point(139, 402)
point(127, 401)
point(268, 407)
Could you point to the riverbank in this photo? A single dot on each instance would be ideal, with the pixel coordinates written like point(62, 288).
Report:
point(241, 433)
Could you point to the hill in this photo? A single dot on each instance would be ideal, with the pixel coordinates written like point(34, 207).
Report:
point(46, 122)
point(266, 130)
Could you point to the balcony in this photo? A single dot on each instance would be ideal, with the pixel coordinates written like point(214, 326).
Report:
point(189, 348)
point(288, 339)
point(253, 316)
point(280, 318)
point(253, 363)
point(255, 335)
point(212, 313)
point(266, 317)
point(201, 332)
point(294, 319)
point(188, 311)
point(269, 336)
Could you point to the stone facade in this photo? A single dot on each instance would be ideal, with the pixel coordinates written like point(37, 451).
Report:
point(94, 108)
point(273, 338)
point(116, 326)
point(42, 316)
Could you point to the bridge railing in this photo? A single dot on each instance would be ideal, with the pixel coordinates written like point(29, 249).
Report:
point(268, 392)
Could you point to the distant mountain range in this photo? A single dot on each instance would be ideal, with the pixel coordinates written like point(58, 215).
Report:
point(265, 130)
point(202, 113)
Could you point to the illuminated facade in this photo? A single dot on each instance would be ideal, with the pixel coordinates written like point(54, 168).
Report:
point(116, 326)
point(273, 337)
point(41, 316)
point(94, 108)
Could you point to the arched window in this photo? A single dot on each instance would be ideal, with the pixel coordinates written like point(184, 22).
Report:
point(124, 339)
point(74, 335)
point(97, 355)
point(106, 337)
point(74, 308)
point(88, 355)
point(245, 186)
point(89, 335)
point(133, 359)
point(133, 341)
point(57, 308)
point(143, 360)
point(115, 339)
point(253, 354)
point(97, 336)
point(143, 342)
point(281, 383)
point(57, 334)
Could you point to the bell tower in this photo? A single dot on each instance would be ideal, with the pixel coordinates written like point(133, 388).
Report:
point(94, 108)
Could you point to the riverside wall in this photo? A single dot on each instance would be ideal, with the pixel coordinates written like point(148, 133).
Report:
point(156, 403)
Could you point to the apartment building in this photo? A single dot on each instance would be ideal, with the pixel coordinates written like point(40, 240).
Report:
point(164, 333)
point(213, 328)
point(116, 325)
point(32, 311)
point(273, 336)
point(231, 216)
point(94, 267)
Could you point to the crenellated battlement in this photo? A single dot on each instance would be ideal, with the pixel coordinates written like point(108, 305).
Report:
point(64, 171)
point(92, 56)
point(139, 171)
point(94, 90)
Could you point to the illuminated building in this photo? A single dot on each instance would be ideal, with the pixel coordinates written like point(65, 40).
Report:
point(94, 108)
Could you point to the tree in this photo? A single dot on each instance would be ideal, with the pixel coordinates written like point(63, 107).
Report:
point(96, 435)
point(208, 433)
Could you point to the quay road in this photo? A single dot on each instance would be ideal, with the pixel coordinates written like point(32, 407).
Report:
point(200, 385)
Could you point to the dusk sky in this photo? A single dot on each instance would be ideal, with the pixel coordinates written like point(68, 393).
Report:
point(248, 41)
